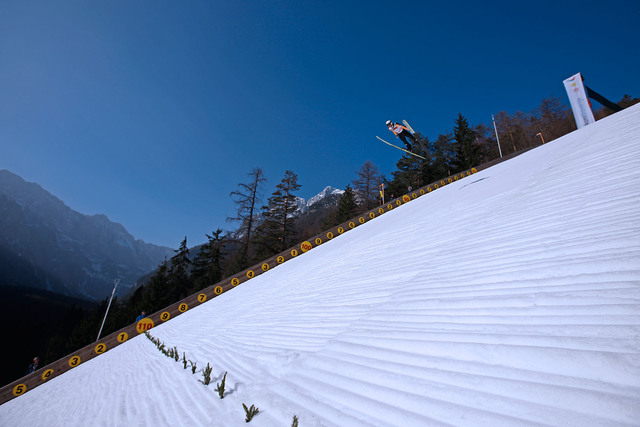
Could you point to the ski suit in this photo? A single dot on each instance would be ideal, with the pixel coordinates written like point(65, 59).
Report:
point(403, 133)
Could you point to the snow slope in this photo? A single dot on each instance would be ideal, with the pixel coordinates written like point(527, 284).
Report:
point(511, 297)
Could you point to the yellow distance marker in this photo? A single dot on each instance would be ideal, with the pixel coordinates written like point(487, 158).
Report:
point(123, 336)
point(19, 390)
point(218, 290)
point(202, 298)
point(100, 348)
point(165, 316)
point(306, 246)
point(74, 361)
point(182, 308)
point(144, 325)
point(46, 374)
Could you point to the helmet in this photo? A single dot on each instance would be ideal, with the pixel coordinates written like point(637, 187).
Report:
point(389, 122)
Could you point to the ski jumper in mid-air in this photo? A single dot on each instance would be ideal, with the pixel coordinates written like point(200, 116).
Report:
point(401, 132)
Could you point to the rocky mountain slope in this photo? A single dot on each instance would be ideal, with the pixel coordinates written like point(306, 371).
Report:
point(45, 244)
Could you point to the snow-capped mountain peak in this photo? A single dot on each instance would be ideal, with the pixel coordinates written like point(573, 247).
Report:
point(329, 193)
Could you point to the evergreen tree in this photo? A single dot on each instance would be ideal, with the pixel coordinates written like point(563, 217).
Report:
point(347, 206)
point(179, 280)
point(156, 295)
point(443, 156)
point(406, 176)
point(427, 168)
point(207, 266)
point(276, 233)
point(467, 150)
point(367, 186)
point(247, 199)
point(180, 262)
point(135, 303)
point(422, 146)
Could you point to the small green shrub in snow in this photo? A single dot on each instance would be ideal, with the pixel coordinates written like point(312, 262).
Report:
point(220, 388)
point(251, 412)
point(206, 373)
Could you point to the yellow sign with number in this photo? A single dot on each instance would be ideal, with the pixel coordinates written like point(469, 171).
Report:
point(19, 389)
point(47, 374)
point(144, 325)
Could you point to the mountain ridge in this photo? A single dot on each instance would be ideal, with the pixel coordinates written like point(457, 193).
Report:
point(68, 252)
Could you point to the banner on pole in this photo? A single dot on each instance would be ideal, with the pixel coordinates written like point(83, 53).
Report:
point(578, 100)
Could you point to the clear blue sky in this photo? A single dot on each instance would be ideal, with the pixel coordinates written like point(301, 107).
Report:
point(152, 112)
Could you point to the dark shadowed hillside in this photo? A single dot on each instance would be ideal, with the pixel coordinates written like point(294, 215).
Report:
point(45, 244)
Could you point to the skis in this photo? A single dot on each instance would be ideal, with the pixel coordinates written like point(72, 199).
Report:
point(413, 133)
point(406, 151)
point(409, 126)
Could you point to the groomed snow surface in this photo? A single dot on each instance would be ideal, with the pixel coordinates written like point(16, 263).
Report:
point(511, 297)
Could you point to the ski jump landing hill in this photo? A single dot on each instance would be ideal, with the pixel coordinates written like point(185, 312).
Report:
point(103, 345)
point(512, 296)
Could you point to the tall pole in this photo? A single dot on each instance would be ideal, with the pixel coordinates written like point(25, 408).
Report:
point(115, 285)
point(497, 139)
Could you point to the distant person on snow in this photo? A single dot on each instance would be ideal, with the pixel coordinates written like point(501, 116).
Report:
point(401, 132)
point(34, 366)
